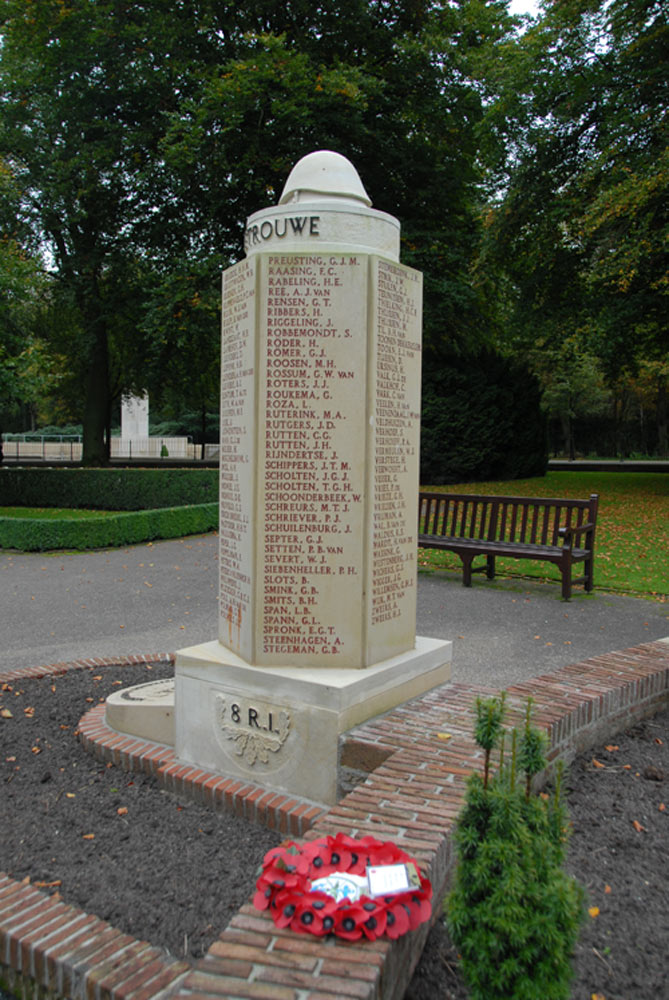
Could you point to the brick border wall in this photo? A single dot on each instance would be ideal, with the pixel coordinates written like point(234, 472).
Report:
point(423, 751)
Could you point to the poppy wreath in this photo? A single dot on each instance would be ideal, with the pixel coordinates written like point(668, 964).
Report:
point(284, 888)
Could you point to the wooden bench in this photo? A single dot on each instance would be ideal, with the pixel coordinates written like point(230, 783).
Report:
point(560, 531)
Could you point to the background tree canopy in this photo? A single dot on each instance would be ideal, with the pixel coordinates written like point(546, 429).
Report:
point(529, 171)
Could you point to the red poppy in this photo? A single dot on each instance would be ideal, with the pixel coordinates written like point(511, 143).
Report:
point(314, 914)
point(374, 922)
point(397, 918)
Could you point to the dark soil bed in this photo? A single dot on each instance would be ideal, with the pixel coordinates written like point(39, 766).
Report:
point(173, 872)
point(169, 872)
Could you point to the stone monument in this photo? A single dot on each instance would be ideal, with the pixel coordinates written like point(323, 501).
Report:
point(135, 417)
point(320, 413)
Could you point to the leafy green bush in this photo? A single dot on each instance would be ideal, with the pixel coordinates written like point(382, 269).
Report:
point(107, 489)
point(513, 913)
point(51, 432)
point(38, 534)
point(481, 419)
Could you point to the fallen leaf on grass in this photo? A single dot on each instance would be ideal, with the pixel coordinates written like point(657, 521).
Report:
point(36, 749)
point(70, 795)
point(48, 885)
point(97, 677)
point(607, 890)
point(88, 836)
point(29, 711)
point(637, 826)
point(611, 747)
point(594, 911)
point(122, 811)
point(627, 767)
point(597, 996)
point(10, 759)
point(5, 713)
point(658, 740)
point(597, 763)
point(662, 807)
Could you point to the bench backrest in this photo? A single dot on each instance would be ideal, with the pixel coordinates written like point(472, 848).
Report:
point(530, 520)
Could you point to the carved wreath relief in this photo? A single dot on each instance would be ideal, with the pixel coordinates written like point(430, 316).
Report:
point(256, 729)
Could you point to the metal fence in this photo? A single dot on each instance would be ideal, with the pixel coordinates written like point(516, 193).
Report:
point(68, 449)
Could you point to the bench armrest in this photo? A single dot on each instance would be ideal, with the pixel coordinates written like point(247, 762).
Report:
point(568, 533)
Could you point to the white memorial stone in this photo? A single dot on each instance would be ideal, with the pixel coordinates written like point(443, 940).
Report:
point(320, 412)
point(134, 417)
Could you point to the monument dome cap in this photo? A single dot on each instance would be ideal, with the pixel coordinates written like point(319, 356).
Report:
point(324, 173)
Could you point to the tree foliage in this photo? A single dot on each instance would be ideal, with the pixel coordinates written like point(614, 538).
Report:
point(529, 171)
point(142, 135)
point(580, 226)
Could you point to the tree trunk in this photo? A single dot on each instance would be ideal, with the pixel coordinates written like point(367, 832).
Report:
point(662, 421)
point(568, 435)
point(96, 417)
point(203, 431)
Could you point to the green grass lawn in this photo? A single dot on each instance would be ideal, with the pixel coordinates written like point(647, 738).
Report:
point(54, 513)
point(632, 543)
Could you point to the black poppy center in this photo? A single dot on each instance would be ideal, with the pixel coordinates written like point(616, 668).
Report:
point(307, 918)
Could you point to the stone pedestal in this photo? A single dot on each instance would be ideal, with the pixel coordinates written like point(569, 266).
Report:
point(280, 726)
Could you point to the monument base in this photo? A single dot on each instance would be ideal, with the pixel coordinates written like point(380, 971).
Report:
point(145, 710)
point(280, 726)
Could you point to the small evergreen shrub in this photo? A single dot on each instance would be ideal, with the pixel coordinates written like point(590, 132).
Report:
point(513, 913)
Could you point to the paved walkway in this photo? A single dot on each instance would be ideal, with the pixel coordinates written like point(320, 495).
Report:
point(161, 597)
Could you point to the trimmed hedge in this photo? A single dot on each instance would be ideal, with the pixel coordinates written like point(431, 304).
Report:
point(37, 535)
point(107, 489)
